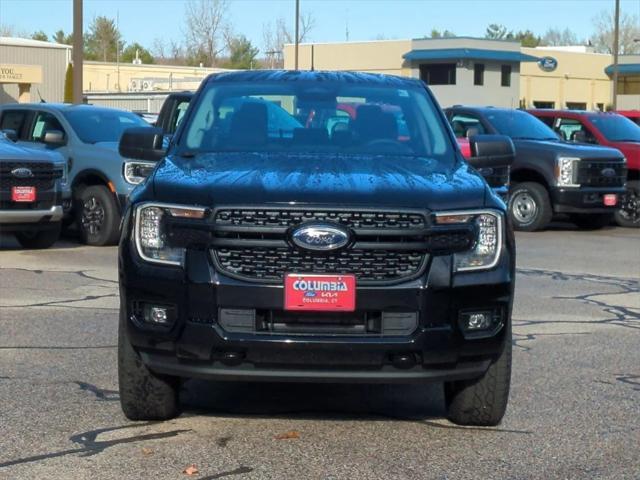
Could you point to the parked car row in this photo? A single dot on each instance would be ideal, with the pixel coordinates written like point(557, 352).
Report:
point(86, 136)
point(584, 164)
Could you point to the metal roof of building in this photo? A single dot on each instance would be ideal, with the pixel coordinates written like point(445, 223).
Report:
point(27, 42)
point(469, 53)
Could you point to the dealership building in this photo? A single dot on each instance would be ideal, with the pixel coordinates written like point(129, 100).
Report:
point(473, 71)
point(459, 70)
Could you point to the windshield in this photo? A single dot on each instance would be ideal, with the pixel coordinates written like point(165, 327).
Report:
point(93, 125)
point(313, 117)
point(616, 128)
point(520, 125)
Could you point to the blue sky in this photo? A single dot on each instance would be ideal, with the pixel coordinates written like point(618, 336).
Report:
point(147, 20)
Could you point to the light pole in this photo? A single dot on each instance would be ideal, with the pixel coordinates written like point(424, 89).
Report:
point(616, 46)
point(297, 31)
point(77, 51)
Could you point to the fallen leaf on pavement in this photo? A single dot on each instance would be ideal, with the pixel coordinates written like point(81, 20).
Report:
point(287, 435)
point(147, 451)
point(191, 470)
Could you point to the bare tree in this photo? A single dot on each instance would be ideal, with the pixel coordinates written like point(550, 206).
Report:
point(275, 35)
point(554, 37)
point(205, 23)
point(602, 39)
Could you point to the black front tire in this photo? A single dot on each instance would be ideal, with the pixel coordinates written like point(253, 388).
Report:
point(592, 221)
point(529, 207)
point(143, 394)
point(629, 215)
point(97, 216)
point(40, 239)
point(482, 401)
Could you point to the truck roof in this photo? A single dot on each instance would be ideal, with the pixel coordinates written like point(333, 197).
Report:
point(361, 78)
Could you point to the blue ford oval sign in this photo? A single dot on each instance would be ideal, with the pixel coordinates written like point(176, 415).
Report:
point(548, 64)
point(320, 237)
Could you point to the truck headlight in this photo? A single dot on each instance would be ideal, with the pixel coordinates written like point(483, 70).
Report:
point(485, 253)
point(62, 168)
point(136, 172)
point(150, 231)
point(567, 171)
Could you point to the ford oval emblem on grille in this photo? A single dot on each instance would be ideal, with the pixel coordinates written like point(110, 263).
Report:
point(22, 172)
point(608, 172)
point(320, 237)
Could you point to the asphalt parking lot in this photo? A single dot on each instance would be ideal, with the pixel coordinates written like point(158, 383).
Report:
point(574, 410)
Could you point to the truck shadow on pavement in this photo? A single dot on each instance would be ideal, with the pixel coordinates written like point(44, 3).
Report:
point(423, 404)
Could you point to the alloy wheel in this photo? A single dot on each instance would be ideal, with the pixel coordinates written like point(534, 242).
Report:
point(92, 216)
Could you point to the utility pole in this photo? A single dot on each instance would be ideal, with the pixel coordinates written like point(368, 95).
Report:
point(77, 51)
point(297, 31)
point(616, 46)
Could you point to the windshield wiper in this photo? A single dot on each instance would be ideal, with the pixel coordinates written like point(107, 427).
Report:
point(633, 140)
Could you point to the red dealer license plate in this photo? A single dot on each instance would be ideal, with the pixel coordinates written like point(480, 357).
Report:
point(320, 292)
point(23, 194)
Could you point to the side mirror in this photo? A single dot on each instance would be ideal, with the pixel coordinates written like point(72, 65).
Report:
point(10, 134)
point(142, 143)
point(488, 151)
point(53, 138)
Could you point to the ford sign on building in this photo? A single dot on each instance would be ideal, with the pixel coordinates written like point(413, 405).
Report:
point(548, 64)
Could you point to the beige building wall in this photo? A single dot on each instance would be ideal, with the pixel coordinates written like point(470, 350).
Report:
point(383, 56)
point(42, 66)
point(579, 78)
point(128, 77)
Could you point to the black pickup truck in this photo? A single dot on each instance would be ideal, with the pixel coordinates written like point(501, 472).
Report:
point(33, 183)
point(549, 175)
point(276, 241)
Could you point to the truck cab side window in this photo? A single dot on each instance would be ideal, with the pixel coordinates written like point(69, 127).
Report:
point(13, 120)
point(44, 123)
point(178, 115)
point(573, 130)
point(461, 123)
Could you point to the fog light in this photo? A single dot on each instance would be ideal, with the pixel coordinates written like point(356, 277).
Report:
point(478, 321)
point(481, 324)
point(158, 315)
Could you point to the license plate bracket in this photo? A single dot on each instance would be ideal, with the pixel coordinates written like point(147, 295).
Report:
point(326, 293)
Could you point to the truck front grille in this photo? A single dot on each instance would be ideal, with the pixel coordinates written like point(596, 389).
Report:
point(43, 175)
point(273, 263)
point(387, 246)
point(601, 174)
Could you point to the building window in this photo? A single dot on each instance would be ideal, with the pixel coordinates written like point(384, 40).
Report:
point(600, 106)
point(438, 74)
point(576, 106)
point(551, 105)
point(478, 73)
point(505, 78)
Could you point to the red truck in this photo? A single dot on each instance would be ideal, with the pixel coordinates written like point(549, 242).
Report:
point(633, 115)
point(611, 130)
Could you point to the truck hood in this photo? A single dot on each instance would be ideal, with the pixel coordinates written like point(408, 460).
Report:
point(10, 151)
point(248, 178)
point(567, 149)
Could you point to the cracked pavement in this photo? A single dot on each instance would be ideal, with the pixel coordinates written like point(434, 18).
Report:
point(574, 410)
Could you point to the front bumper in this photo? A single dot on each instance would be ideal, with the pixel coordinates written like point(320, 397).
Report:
point(585, 200)
point(198, 346)
point(53, 214)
